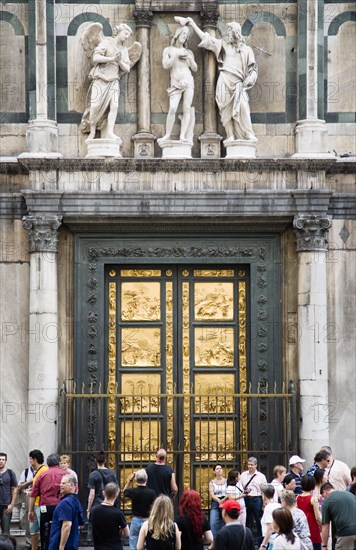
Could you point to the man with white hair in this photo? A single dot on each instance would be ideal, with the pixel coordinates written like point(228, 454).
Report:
point(142, 499)
point(67, 517)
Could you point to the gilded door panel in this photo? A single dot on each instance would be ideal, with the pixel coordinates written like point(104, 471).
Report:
point(214, 346)
point(138, 438)
point(214, 439)
point(213, 301)
point(140, 301)
point(141, 391)
point(214, 393)
point(140, 347)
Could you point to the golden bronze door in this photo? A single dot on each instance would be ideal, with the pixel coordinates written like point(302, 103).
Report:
point(177, 356)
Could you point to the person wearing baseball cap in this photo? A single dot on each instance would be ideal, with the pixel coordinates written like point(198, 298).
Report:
point(296, 468)
point(233, 535)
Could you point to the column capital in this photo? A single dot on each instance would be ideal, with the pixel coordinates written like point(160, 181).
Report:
point(311, 232)
point(43, 234)
point(209, 15)
point(143, 17)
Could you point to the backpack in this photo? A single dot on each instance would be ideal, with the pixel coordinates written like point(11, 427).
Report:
point(13, 482)
point(110, 478)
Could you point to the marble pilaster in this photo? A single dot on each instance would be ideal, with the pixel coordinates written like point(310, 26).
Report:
point(210, 145)
point(42, 131)
point(311, 237)
point(44, 333)
point(311, 131)
point(143, 139)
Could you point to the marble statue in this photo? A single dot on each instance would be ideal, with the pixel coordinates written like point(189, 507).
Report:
point(180, 61)
point(109, 59)
point(237, 74)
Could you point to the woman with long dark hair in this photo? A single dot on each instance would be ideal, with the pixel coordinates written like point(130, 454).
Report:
point(320, 476)
point(283, 525)
point(310, 506)
point(192, 523)
point(160, 532)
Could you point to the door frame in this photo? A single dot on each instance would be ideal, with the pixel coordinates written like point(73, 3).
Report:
point(260, 251)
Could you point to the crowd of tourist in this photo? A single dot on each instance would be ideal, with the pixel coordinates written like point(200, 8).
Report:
point(314, 511)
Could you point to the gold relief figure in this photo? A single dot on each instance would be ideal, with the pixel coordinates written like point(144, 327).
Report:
point(140, 301)
point(112, 387)
point(242, 367)
point(140, 347)
point(214, 273)
point(140, 273)
point(214, 301)
point(214, 346)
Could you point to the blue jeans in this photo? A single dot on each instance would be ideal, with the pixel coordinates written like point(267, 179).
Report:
point(135, 527)
point(254, 511)
point(216, 521)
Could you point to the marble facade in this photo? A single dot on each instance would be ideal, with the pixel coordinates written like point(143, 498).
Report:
point(300, 187)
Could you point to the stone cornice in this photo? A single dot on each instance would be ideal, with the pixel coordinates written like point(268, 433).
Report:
point(330, 166)
point(43, 232)
point(311, 232)
point(260, 205)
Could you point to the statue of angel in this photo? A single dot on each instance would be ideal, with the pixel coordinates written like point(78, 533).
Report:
point(109, 59)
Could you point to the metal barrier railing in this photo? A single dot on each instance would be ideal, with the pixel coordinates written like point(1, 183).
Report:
point(197, 430)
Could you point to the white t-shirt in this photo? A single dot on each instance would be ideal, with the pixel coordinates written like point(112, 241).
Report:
point(281, 543)
point(278, 488)
point(267, 518)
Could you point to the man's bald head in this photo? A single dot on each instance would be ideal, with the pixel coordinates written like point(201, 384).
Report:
point(161, 455)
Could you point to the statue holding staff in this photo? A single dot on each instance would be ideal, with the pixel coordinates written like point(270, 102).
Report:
point(237, 74)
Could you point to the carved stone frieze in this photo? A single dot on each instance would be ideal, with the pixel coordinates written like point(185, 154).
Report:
point(143, 18)
point(43, 232)
point(177, 252)
point(311, 232)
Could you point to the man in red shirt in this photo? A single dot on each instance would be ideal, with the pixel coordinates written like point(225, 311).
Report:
point(46, 486)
